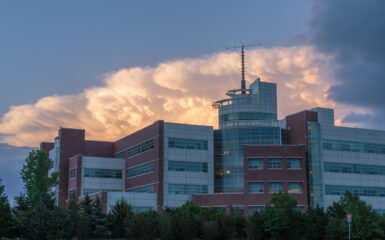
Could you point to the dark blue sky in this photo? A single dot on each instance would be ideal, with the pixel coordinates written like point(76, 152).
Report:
point(62, 47)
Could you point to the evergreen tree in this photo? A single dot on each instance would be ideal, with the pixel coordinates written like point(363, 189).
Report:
point(119, 218)
point(99, 220)
point(254, 226)
point(6, 220)
point(364, 224)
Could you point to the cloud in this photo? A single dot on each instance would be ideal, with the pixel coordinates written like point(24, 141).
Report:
point(178, 91)
point(353, 31)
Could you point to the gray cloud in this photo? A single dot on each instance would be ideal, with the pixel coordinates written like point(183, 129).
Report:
point(354, 32)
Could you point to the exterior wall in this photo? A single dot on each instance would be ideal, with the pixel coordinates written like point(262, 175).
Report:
point(47, 146)
point(297, 128)
point(348, 179)
point(246, 200)
point(154, 131)
point(283, 175)
point(185, 131)
point(76, 182)
point(99, 149)
point(71, 144)
point(136, 199)
point(105, 184)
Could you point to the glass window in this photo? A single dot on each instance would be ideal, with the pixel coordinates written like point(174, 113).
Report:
point(294, 187)
point(141, 209)
point(256, 187)
point(293, 163)
point(140, 170)
point(275, 187)
point(353, 146)
point(102, 173)
point(140, 148)
point(72, 193)
point(187, 143)
point(87, 191)
point(187, 189)
point(247, 116)
point(255, 163)
point(120, 155)
point(238, 209)
point(72, 172)
point(253, 209)
point(275, 163)
point(358, 190)
point(146, 188)
point(354, 168)
point(187, 166)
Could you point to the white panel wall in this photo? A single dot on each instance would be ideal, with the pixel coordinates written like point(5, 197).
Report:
point(177, 177)
point(135, 199)
point(348, 179)
point(103, 183)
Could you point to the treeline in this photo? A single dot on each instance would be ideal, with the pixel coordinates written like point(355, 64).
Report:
point(36, 216)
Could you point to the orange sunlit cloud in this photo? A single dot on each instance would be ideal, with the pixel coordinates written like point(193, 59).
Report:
point(177, 91)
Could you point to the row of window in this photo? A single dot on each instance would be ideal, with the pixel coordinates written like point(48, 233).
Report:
point(102, 173)
point(187, 189)
point(358, 190)
point(274, 163)
point(137, 149)
point(187, 166)
point(275, 187)
point(146, 189)
point(72, 172)
point(353, 146)
point(187, 143)
point(354, 168)
point(140, 170)
point(247, 116)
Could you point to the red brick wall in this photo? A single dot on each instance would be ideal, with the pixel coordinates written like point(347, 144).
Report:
point(265, 175)
point(99, 149)
point(154, 131)
point(280, 175)
point(75, 183)
point(296, 126)
point(47, 146)
point(71, 144)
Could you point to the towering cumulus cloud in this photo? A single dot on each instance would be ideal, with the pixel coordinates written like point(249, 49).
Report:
point(354, 32)
point(178, 91)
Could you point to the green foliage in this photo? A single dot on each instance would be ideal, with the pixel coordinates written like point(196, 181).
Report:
point(254, 226)
point(364, 224)
point(315, 224)
point(6, 220)
point(119, 218)
point(281, 218)
point(37, 182)
point(144, 225)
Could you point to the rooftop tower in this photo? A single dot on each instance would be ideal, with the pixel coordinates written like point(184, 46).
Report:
point(247, 117)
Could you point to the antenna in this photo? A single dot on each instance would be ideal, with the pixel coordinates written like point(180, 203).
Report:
point(243, 46)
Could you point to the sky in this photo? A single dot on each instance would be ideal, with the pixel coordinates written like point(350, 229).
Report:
point(113, 67)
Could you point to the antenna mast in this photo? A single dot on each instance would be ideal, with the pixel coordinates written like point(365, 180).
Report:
point(243, 79)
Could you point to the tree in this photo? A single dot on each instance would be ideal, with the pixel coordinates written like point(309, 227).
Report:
point(36, 214)
point(144, 225)
point(38, 184)
point(6, 220)
point(364, 224)
point(254, 226)
point(119, 218)
point(282, 219)
point(315, 224)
